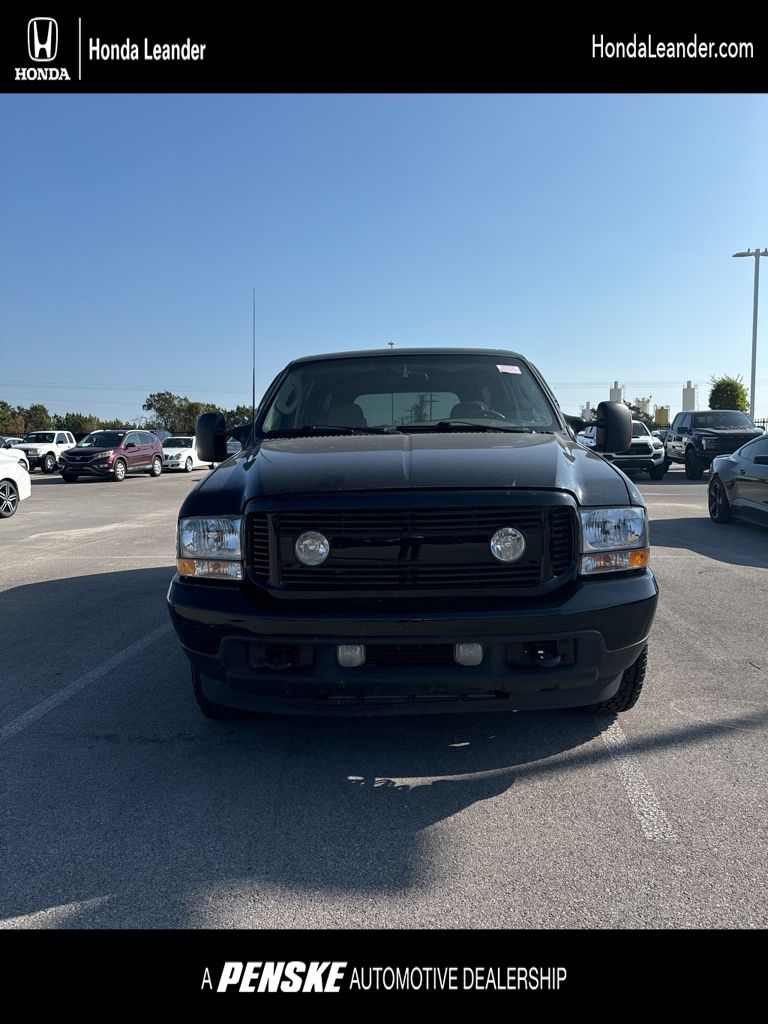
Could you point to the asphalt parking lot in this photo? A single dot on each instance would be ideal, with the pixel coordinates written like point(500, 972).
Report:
point(124, 807)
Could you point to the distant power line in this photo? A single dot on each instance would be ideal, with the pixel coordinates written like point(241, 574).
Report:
point(122, 387)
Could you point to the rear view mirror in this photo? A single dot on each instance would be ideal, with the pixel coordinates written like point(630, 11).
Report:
point(211, 437)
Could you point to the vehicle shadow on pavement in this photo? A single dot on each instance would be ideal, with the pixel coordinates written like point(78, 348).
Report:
point(124, 801)
point(737, 543)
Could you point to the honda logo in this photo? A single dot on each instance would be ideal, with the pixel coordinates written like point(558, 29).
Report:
point(42, 39)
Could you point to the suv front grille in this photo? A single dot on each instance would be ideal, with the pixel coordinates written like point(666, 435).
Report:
point(394, 549)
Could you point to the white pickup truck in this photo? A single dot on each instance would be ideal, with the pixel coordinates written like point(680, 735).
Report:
point(43, 448)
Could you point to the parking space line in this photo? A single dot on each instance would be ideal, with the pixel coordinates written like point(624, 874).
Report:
point(645, 803)
point(20, 723)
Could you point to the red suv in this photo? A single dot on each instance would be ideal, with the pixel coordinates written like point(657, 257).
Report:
point(114, 454)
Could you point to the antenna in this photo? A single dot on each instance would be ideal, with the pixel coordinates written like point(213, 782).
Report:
point(253, 374)
point(391, 344)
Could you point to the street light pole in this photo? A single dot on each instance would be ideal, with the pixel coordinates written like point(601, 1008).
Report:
point(757, 254)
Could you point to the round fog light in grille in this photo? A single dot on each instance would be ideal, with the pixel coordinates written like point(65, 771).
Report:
point(507, 544)
point(312, 548)
point(350, 655)
point(468, 654)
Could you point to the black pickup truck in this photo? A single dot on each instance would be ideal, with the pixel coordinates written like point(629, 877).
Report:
point(408, 531)
point(696, 438)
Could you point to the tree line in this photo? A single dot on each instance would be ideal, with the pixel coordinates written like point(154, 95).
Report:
point(164, 409)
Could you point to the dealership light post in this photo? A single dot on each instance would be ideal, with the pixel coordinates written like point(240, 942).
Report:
point(757, 254)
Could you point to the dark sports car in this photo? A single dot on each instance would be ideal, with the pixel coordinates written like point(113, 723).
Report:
point(738, 486)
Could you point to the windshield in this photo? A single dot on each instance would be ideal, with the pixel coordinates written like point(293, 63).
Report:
point(39, 437)
point(177, 442)
point(410, 392)
point(102, 439)
point(639, 429)
point(723, 420)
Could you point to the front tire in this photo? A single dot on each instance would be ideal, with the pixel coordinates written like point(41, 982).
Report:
point(717, 502)
point(209, 708)
point(49, 463)
point(119, 470)
point(657, 472)
point(629, 691)
point(9, 499)
point(157, 466)
point(693, 468)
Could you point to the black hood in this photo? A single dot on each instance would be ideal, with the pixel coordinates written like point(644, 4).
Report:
point(397, 462)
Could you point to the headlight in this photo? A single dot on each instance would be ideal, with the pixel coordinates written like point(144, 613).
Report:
point(31, 451)
point(709, 442)
point(210, 547)
point(614, 539)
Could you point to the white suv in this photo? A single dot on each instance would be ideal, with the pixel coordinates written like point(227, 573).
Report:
point(43, 448)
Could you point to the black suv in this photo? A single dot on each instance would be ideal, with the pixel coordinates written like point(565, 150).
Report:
point(696, 438)
point(413, 530)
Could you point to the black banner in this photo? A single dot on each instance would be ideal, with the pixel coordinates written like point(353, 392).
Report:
point(119, 50)
point(537, 970)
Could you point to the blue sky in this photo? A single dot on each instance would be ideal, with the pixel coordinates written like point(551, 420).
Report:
point(591, 233)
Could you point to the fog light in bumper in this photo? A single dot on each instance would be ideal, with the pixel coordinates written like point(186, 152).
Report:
point(468, 654)
point(350, 655)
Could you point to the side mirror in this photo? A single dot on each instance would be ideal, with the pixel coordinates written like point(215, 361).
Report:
point(576, 423)
point(130, 444)
point(761, 460)
point(211, 437)
point(614, 427)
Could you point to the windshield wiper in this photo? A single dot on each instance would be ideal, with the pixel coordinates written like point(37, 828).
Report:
point(466, 425)
point(325, 428)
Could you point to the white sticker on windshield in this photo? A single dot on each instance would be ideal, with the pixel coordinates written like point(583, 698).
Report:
point(508, 369)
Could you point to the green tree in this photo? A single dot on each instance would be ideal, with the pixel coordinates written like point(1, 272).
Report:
point(77, 422)
point(7, 413)
point(168, 409)
point(236, 417)
point(16, 426)
point(36, 417)
point(728, 393)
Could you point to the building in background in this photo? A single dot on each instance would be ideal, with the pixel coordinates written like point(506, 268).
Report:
point(644, 405)
point(690, 397)
point(587, 412)
point(617, 393)
point(661, 415)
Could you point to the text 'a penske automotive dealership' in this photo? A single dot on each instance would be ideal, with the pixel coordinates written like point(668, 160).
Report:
point(129, 50)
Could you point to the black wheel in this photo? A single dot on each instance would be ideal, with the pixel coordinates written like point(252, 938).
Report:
point(49, 463)
point(208, 707)
point(631, 685)
point(657, 472)
point(157, 466)
point(69, 478)
point(717, 501)
point(667, 463)
point(9, 498)
point(188, 464)
point(119, 470)
point(693, 468)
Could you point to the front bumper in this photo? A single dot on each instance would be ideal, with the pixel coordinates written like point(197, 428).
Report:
point(647, 460)
point(225, 634)
point(86, 469)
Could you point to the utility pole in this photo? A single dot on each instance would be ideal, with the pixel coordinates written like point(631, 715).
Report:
point(757, 254)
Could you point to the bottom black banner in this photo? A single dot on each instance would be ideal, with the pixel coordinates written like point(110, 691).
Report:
point(256, 969)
